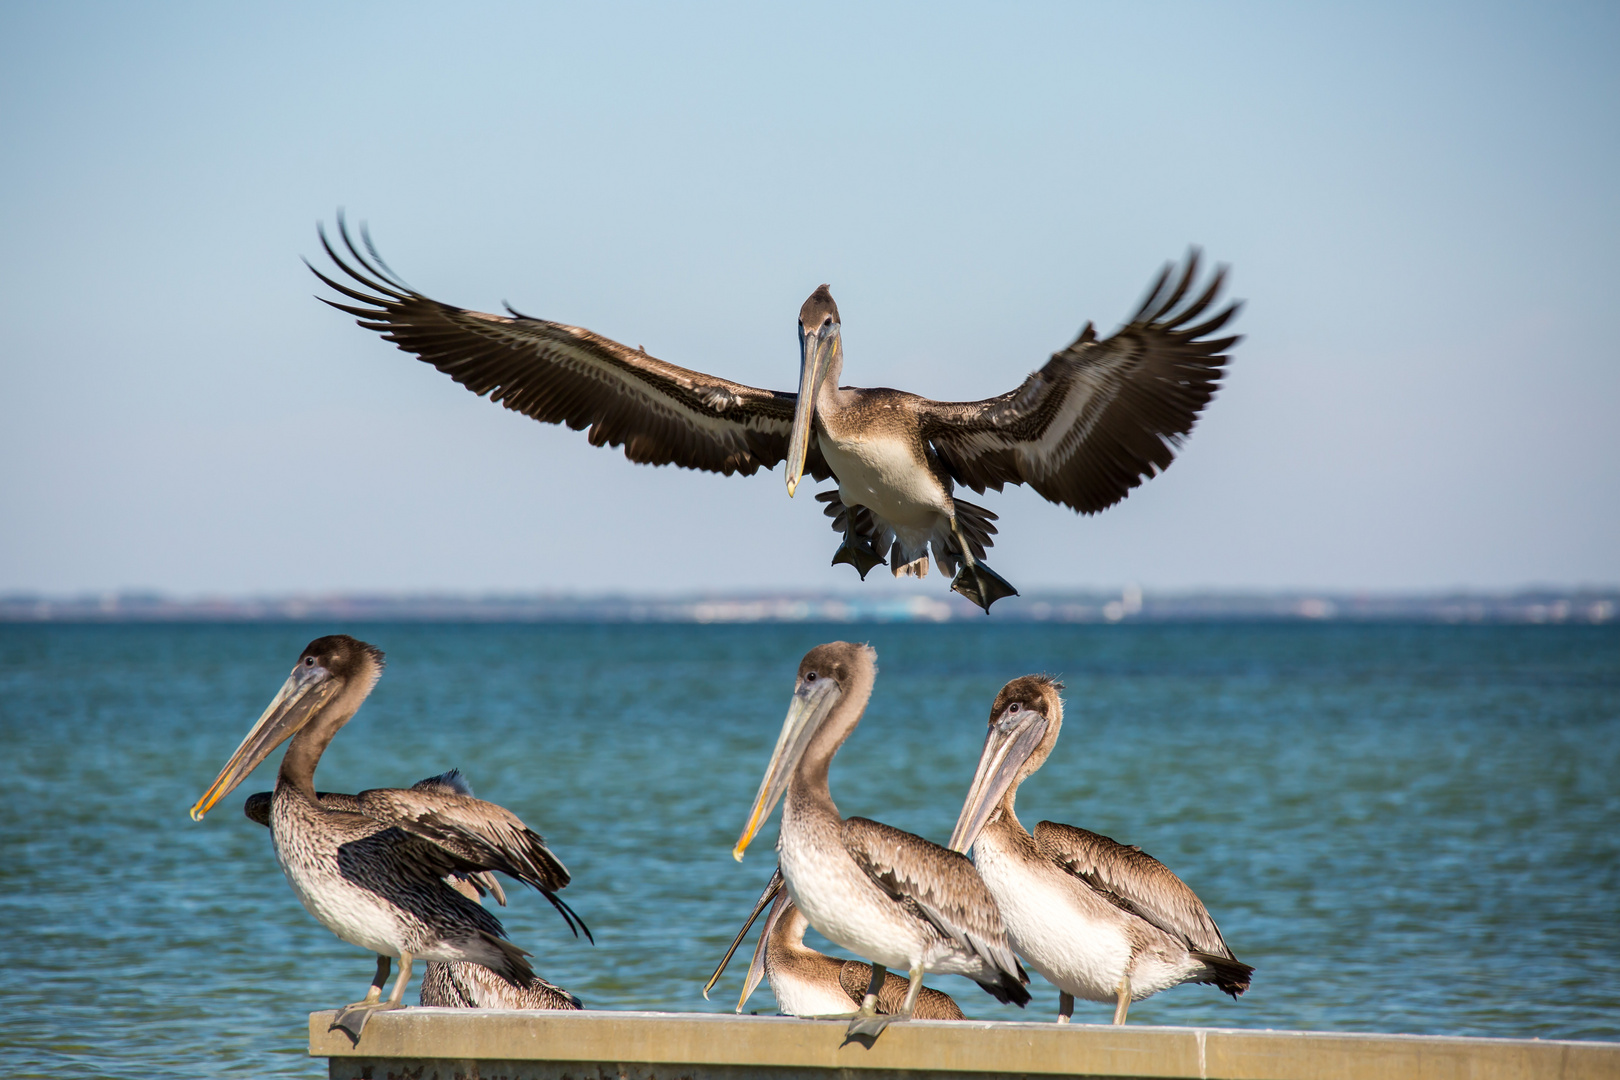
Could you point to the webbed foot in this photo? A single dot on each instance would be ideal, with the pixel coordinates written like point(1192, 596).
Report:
point(868, 1026)
point(352, 1018)
point(982, 585)
point(861, 556)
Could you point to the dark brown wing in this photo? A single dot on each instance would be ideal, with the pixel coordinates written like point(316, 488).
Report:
point(257, 808)
point(1135, 881)
point(940, 884)
point(487, 836)
point(661, 414)
point(1101, 416)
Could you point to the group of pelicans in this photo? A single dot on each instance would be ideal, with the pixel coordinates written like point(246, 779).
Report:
point(401, 871)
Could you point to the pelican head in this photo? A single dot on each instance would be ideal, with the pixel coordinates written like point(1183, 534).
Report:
point(332, 677)
point(1024, 725)
point(821, 354)
point(828, 674)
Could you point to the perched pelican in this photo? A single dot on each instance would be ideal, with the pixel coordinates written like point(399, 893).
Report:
point(458, 985)
point(1100, 920)
point(811, 983)
point(375, 877)
point(894, 898)
point(472, 986)
point(1100, 417)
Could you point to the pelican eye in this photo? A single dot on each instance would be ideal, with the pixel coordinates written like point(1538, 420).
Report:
point(309, 661)
point(1014, 707)
point(810, 676)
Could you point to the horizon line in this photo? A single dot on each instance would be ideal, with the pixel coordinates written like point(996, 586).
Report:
point(1544, 604)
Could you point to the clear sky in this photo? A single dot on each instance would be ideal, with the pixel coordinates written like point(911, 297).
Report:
point(1420, 203)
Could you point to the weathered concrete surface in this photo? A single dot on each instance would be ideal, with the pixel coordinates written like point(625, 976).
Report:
point(464, 1044)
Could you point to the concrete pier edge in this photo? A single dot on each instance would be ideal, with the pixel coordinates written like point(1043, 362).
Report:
point(465, 1044)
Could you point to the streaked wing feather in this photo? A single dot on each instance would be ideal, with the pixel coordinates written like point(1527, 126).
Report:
point(472, 829)
point(1134, 880)
point(940, 884)
point(1101, 416)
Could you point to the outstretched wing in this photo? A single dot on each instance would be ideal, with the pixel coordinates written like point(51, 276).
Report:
point(939, 884)
point(1101, 416)
point(661, 414)
point(1133, 880)
point(477, 833)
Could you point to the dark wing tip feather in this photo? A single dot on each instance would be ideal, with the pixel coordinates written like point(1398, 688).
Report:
point(570, 916)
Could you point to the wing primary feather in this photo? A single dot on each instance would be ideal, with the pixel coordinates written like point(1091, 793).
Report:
point(378, 286)
point(1189, 270)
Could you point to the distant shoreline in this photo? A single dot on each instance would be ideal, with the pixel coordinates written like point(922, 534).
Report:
point(1527, 606)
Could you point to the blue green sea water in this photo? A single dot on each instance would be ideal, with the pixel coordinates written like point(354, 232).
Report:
point(1408, 828)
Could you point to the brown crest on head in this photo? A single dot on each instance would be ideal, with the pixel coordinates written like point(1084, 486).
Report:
point(817, 310)
point(836, 660)
point(1038, 692)
point(341, 654)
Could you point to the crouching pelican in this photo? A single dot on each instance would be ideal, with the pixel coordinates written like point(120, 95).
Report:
point(1100, 417)
point(894, 898)
point(811, 983)
point(374, 876)
point(458, 985)
point(1100, 920)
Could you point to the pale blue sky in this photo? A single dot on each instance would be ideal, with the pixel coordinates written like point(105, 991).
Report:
point(1419, 204)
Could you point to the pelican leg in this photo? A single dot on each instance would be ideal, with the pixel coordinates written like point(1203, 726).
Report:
point(352, 1018)
point(975, 580)
point(858, 552)
point(867, 1021)
point(1065, 1006)
point(1124, 994)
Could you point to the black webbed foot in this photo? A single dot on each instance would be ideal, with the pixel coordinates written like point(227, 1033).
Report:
point(982, 585)
point(861, 556)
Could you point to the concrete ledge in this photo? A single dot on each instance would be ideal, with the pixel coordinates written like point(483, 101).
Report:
point(467, 1044)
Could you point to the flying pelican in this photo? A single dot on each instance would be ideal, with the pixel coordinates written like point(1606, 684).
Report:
point(1100, 920)
point(811, 983)
point(376, 878)
point(1099, 418)
point(458, 985)
point(894, 898)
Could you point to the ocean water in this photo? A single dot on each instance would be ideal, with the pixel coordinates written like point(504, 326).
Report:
point(1405, 828)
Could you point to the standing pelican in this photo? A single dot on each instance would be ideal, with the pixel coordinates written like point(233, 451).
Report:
point(811, 983)
point(1099, 418)
point(458, 985)
point(894, 898)
point(375, 877)
point(1100, 920)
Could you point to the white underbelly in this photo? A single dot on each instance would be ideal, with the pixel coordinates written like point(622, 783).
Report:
point(1082, 951)
point(845, 907)
point(798, 996)
point(885, 477)
point(356, 915)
